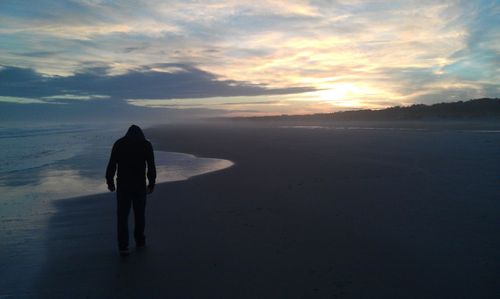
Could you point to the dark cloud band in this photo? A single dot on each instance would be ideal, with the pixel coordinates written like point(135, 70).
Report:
point(143, 83)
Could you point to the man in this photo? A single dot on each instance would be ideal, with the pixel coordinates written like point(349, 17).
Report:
point(131, 153)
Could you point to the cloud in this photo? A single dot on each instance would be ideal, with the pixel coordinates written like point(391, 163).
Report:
point(361, 52)
point(158, 81)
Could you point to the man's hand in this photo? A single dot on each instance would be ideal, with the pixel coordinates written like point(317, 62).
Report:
point(150, 188)
point(111, 187)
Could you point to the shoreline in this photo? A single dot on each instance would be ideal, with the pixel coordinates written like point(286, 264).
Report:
point(302, 213)
point(29, 233)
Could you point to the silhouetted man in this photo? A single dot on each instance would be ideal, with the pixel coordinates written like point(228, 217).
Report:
point(131, 153)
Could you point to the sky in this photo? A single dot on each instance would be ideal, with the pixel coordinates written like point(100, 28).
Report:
point(246, 57)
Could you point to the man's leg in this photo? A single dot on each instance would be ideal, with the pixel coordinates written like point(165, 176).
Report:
point(139, 203)
point(122, 211)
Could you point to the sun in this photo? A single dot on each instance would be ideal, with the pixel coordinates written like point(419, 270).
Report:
point(342, 91)
point(343, 94)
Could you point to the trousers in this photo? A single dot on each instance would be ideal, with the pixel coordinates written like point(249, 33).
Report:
point(137, 200)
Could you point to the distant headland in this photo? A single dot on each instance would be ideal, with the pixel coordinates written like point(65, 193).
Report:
point(476, 109)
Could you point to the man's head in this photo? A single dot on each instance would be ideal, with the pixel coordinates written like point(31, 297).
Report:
point(134, 132)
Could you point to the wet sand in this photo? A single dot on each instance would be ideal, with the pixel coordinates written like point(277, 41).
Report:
point(303, 213)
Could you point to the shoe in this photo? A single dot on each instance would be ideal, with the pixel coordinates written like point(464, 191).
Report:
point(140, 245)
point(124, 252)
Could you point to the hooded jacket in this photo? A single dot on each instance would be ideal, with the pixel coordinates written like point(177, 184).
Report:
point(131, 154)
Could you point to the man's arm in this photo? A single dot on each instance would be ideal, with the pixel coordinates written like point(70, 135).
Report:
point(111, 169)
point(150, 160)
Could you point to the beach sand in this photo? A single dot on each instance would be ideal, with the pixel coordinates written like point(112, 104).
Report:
point(303, 213)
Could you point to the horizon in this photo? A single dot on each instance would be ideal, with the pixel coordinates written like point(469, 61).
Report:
point(241, 58)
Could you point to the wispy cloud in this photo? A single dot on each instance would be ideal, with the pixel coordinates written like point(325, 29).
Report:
point(359, 53)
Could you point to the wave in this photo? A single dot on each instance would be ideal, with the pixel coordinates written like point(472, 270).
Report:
point(30, 132)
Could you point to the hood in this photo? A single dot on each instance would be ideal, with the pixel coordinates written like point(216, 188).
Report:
point(134, 132)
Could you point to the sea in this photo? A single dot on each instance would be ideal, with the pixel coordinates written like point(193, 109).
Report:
point(44, 163)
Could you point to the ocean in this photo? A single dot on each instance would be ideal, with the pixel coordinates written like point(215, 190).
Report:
point(44, 163)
